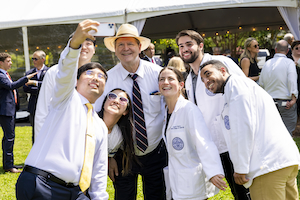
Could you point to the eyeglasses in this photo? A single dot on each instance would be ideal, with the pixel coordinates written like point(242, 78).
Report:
point(35, 59)
point(113, 96)
point(92, 73)
point(255, 46)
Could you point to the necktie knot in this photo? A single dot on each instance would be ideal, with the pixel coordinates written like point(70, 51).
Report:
point(89, 106)
point(134, 76)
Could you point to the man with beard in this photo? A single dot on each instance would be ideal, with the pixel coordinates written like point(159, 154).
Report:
point(264, 155)
point(191, 48)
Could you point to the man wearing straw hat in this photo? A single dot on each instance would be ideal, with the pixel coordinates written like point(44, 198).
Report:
point(138, 78)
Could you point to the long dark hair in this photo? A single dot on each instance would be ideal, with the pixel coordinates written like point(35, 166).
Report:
point(125, 123)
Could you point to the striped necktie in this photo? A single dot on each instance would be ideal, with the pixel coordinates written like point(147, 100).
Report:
point(14, 91)
point(86, 172)
point(138, 115)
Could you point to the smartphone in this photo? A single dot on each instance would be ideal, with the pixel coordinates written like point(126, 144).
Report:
point(104, 29)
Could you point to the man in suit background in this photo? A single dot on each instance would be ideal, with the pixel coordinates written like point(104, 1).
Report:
point(8, 101)
point(149, 55)
point(290, 39)
point(38, 59)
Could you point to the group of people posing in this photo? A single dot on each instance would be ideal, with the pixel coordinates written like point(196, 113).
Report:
point(134, 120)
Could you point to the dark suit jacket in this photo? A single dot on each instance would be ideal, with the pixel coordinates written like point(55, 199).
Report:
point(7, 99)
point(157, 60)
point(34, 90)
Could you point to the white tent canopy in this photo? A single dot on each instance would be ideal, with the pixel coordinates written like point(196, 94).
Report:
point(44, 12)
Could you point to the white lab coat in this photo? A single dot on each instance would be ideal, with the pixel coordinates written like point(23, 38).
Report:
point(191, 153)
point(211, 104)
point(257, 139)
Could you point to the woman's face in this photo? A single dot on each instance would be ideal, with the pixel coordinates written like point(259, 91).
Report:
point(296, 50)
point(254, 47)
point(116, 103)
point(168, 83)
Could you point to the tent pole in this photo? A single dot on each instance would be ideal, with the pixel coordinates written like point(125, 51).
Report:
point(26, 50)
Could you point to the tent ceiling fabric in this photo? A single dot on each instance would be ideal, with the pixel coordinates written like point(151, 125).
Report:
point(214, 20)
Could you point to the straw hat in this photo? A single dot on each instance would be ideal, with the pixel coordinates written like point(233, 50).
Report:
point(126, 30)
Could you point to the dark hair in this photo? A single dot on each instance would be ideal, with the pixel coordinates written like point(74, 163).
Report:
point(215, 63)
point(88, 39)
point(3, 56)
point(295, 43)
point(125, 123)
point(91, 65)
point(193, 34)
point(178, 73)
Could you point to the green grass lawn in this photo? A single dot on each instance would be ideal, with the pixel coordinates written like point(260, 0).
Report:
point(21, 150)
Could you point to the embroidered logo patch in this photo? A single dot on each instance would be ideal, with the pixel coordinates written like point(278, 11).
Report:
point(177, 143)
point(226, 122)
point(209, 93)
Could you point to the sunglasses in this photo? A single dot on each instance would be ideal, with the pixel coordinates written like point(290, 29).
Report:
point(113, 96)
point(255, 46)
point(35, 59)
point(92, 73)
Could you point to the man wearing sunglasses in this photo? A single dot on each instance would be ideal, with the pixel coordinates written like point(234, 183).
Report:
point(279, 78)
point(45, 95)
point(38, 59)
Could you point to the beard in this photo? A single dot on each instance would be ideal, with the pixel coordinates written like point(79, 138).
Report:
point(220, 86)
point(194, 56)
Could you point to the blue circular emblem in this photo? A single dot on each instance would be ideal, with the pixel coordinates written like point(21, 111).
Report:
point(209, 93)
point(177, 143)
point(226, 122)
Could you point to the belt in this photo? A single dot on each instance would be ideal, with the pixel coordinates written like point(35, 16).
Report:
point(47, 175)
point(282, 99)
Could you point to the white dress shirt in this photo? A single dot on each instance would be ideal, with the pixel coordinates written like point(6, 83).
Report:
point(45, 96)
point(210, 104)
point(193, 156)
point(279, 77)
point(115, 140)
point(60, 145)
point(257, 139)
point(153, 105)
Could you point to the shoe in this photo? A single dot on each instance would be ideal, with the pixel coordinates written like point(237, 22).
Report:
point(18, 166)
point(13, 170)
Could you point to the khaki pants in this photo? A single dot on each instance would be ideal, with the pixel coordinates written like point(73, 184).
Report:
point(277, 185)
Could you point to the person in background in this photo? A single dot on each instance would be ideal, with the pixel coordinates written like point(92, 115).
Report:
point(290, 39)
point(264, 155)
point(193, 156)
point(178, 63)
point(216, 51)
point(38, 59)
point(227, 53)
point(296, 58)
point(8, 108)
point(248, 59)
point(279, 79)
point(47, 88)
point(150, 55)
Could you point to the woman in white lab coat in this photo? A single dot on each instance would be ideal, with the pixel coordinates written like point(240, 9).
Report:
point(193, 156)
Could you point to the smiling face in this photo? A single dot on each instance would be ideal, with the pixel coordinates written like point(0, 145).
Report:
point(127, 50)
point(214, 79)
point(87, 51)
point(168, 83)
point(189, 50)
point(116, 105)
point(91, 84)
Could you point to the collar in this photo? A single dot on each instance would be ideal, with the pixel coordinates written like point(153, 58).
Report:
point(84, 101)
point(3, 71)
point(225, 84)
point(140, 71)
point(279, 55)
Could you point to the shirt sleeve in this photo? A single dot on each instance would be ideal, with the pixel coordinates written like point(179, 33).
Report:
point(292, 80)
point(242, 125)
point(202, 142)
point(98, 186)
